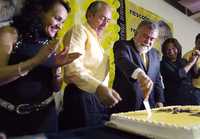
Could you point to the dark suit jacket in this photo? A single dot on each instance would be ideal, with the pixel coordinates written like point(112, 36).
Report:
point(127, 60)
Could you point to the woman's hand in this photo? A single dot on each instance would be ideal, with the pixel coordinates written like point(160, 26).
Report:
point(63, 57)
point(46, 51)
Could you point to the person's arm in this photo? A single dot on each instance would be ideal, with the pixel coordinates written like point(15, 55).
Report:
point(125, 61)
point(192, 61)
point(61, 58)
point(192, 57)
point(9, 73)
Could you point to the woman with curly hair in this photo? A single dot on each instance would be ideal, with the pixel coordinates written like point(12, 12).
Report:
point(30, 68)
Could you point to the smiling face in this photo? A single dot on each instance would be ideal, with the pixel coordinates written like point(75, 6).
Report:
point(53, 19)
point(171, 52)
point(99, 20)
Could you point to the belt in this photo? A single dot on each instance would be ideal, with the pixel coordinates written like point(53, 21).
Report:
point(23, 109)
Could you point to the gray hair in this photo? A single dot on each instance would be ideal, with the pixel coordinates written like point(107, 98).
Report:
point(95, 6)
point(146, 23)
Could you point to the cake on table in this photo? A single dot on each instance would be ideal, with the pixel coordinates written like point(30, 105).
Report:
point(173, 122)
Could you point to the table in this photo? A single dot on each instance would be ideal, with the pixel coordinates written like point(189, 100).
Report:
point(100, 132)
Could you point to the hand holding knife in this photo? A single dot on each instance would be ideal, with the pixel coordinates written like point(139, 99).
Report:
point(146, 85)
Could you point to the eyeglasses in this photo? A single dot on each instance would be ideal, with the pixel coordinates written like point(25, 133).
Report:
point(103, 18)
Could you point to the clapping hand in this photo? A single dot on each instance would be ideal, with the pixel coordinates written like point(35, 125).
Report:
point(63, 57)
point(46, 51)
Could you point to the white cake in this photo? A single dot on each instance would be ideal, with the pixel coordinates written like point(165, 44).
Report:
point(174, 122)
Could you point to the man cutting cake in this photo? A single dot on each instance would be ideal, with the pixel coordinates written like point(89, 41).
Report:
point(137, 70)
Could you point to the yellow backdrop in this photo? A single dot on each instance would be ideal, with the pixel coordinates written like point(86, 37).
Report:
point(133, 15)
point(109, 36)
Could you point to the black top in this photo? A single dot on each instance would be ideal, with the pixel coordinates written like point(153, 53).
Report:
point(37, 85)
point(175, 78)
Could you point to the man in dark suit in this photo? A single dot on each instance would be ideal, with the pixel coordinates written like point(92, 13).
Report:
point(137, 70)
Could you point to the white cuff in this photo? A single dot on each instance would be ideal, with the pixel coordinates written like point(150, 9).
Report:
point(136, 72)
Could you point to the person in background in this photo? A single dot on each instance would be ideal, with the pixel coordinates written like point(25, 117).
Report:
point(86, 77)
point(30, 68)
point(188, 56)
point(137, 70)
point(177, 74)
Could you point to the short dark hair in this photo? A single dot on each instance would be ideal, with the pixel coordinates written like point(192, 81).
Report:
point(95, 6)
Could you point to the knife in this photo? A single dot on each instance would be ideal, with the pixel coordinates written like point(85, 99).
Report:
point(148, 109)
